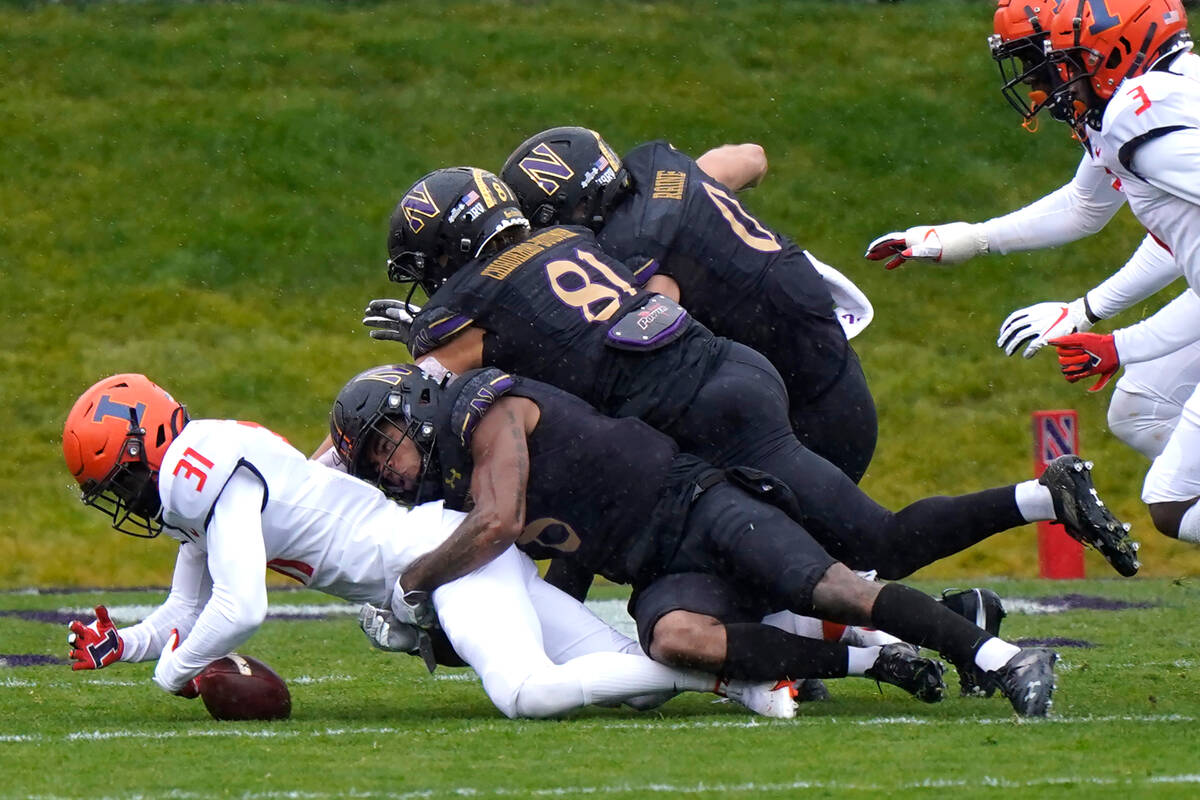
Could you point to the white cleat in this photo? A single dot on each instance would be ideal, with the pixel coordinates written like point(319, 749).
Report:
point(775, 700)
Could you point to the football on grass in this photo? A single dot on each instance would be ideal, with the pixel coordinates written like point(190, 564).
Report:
point(240, 687)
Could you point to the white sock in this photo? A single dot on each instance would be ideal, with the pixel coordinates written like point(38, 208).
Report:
point(861, 659)
point(1034, 501)
point(994, 654)
point(866, 637)
point(1189, 525)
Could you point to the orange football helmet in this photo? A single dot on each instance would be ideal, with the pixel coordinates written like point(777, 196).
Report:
point(1018, 48)
point(1096, 44)
point(113, 442)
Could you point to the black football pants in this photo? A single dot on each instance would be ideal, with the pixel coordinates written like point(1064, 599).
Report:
point(740, 417)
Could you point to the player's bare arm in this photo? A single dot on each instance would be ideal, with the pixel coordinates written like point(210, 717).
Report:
point(664, 284)
point(463, 352)
point(324, 446)
point(498, 482)
point(738, 166)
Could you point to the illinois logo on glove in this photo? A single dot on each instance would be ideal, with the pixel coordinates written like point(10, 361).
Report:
point(97, 645)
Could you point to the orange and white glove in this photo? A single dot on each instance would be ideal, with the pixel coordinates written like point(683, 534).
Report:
point(952, 243)
point(1037, 324)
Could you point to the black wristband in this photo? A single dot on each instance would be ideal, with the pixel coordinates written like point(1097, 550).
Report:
point(1087, 311)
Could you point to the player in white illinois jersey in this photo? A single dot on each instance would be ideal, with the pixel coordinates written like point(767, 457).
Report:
point(239, 498)
point(1125, 70)
point(1149, 397)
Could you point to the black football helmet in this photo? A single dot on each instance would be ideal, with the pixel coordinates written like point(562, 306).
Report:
point(444, 220)
point(566, 176)
point(405, 396)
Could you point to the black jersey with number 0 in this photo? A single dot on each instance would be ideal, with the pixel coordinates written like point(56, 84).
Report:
point(556, 308)
point(737, 276)
point(610, 494)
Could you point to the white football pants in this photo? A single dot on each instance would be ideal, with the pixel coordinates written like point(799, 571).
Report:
point(1149, 398)
point(540, 652)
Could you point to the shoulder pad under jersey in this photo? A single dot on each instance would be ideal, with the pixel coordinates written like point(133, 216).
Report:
point(476, 392)
point(1145, 108)
point(433, 327)
point(196, 468)
point(642, 162)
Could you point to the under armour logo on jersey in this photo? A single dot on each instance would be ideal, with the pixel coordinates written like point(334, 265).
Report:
point(545, 168)
point(107, 407)
point(419, 207)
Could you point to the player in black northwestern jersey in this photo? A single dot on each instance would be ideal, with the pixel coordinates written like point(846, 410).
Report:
point(554, 307)
point(676, 223)
point(541, 469)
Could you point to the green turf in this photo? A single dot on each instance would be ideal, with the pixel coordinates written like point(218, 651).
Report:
point(367, 724)
point(200, 192)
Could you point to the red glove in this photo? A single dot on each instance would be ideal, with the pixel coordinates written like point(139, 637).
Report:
point(1084, 354)
point(191, 689)
point(97, 645)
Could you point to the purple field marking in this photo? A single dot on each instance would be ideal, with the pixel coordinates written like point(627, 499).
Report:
point(30, 660)
point(1053, 641)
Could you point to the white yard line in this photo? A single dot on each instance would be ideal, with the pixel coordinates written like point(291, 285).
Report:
point(746, 788)
point(505, 725)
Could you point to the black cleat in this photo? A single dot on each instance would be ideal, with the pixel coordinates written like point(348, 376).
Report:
point(1084, 515)
point(811, 690)
point(901, 664)
point(1027, 680)
point(983, 608)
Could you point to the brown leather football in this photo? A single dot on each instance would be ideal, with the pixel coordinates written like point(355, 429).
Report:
point(239, 687)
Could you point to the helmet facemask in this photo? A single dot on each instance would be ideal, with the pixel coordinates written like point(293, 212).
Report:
point(377, 452)
point(128, 494)
point(1027, 80)
point(373, 416)
point(1073, 95)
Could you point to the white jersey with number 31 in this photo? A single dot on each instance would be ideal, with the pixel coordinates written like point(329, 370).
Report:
point(320, 526)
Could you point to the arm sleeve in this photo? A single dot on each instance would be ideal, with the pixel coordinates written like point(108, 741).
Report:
point(190, 589)
point(1078, 209)
point(1173, 327)
point(1149, 269)
point(237, 562)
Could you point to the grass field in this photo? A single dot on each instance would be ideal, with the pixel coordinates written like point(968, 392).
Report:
point(200, 192)
point(371, 725)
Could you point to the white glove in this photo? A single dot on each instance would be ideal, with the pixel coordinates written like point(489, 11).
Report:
point(386, 632)
point(854, 311)
point(413, 608)
point(952, 243)
point(393, 319)
point(1041, 322)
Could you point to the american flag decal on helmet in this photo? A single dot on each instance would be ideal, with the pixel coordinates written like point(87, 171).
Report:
point(545, 168)
point(419, 207)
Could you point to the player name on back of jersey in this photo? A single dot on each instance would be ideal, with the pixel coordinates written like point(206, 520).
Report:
point(503, 265)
